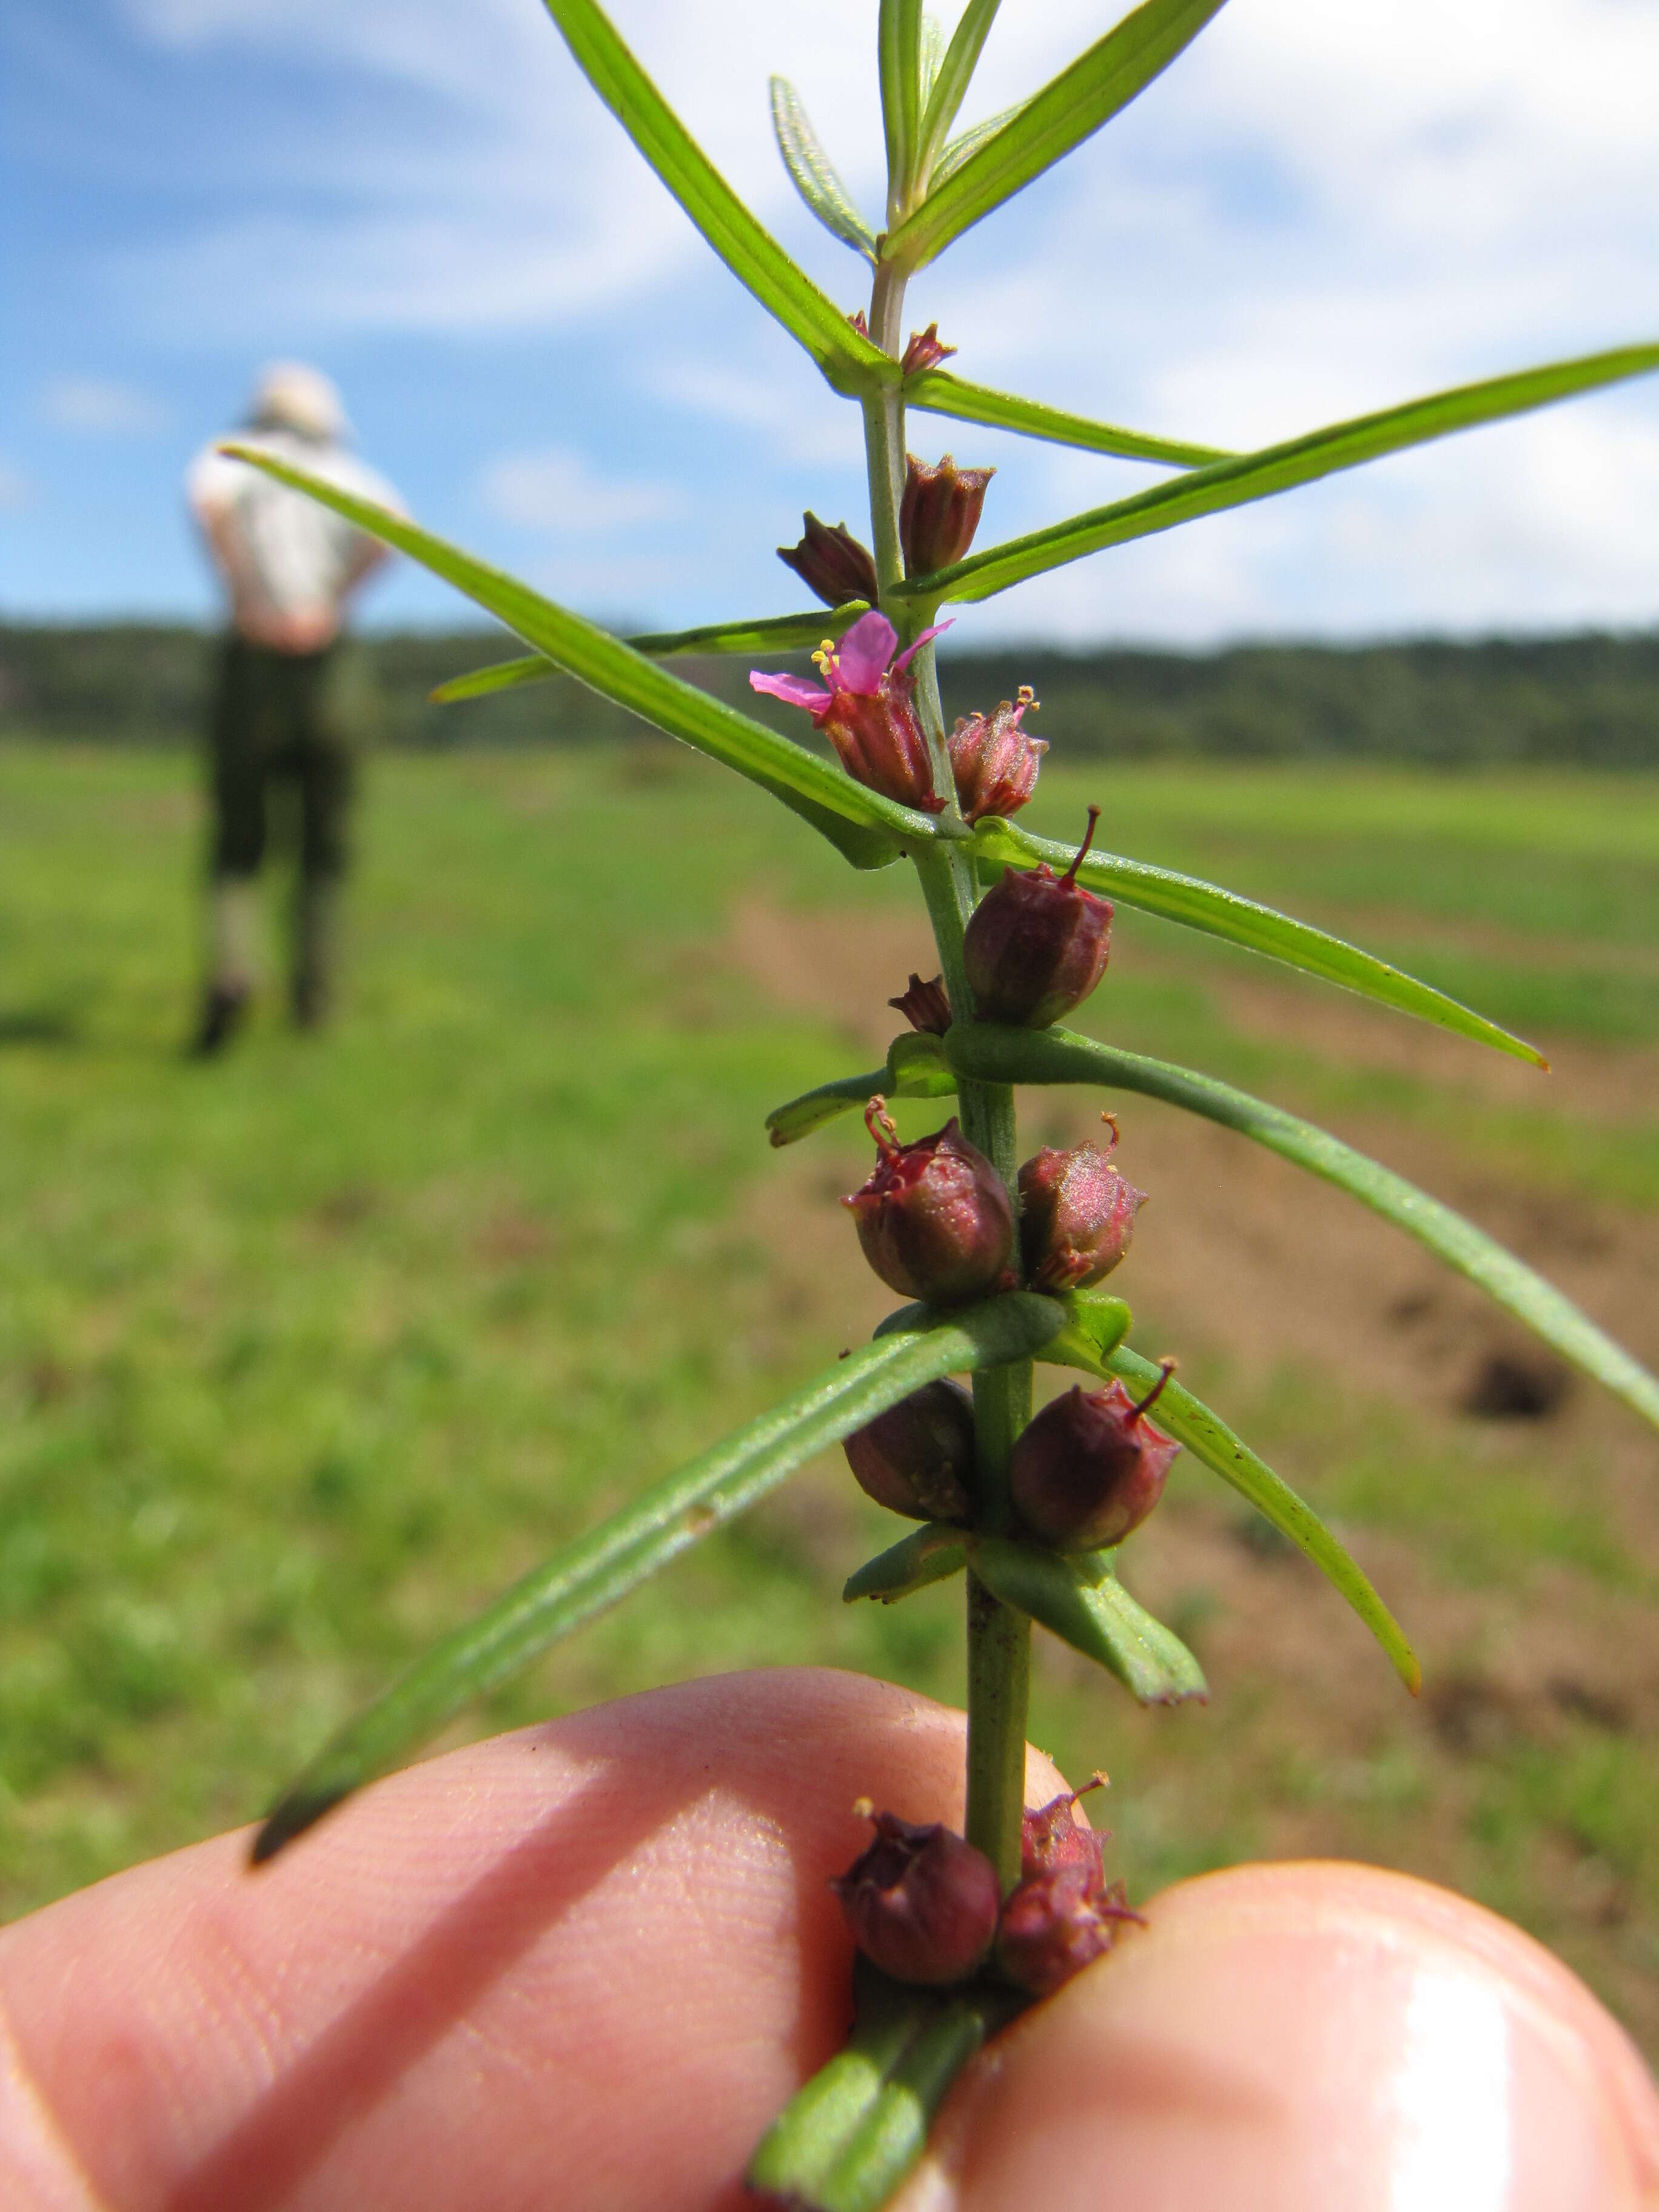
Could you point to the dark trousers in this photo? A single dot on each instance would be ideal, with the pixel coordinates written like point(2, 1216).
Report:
point(278, 720)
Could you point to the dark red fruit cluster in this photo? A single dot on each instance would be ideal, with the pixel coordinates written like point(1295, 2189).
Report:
point(925, 1906)
point(1076, 1216)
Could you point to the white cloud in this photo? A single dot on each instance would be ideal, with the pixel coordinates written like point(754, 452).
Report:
point(557, 490)
point(100, 406)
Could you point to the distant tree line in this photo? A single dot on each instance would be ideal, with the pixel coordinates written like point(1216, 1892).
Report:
point(1590, 699)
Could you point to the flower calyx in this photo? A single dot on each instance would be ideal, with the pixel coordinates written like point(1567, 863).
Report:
point(922, 1902)
point(1051, 1837)
point(1036, 943)
point(994, 760)
point(939, 513)
point(831, 563)
point(924, 1005)
point(1090, 1467)
point(917, 1458)
point(934, 1219)
point(866, 703)
point(1076, 1215)
point(1058, 1922)
point(926, 351)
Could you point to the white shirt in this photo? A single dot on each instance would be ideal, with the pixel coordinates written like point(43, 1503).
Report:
point(298, 555)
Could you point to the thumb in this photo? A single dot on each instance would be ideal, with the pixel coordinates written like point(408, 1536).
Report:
point(1297, 2037)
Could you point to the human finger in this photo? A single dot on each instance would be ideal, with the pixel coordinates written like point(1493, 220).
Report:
point(1299, 2039)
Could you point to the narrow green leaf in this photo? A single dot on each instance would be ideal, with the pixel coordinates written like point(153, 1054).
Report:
point(1095, 1325)
point(789, 1123)
point(868, 830)
point(899, 45)
point(613, 1558)
point(952, 156)
point(893, 2134)
point(936, 392)
point(949, 83)
point(1275, 468)
point(1005, 1055)
point(1208, 1439)
point(798, 2150)
point(912, 1071)
point(1077, 1596)
point(932, 56)
point(1097, 87)
point(1223, 914)
point(767, 633)
point(813, 174)
point(929, 1554)
point(851, 363)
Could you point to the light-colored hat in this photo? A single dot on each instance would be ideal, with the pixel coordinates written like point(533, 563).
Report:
point(290, 395)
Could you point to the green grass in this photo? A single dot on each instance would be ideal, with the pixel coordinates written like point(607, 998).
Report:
point(305, 1353)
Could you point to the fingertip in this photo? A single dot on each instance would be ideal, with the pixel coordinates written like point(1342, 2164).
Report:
point(1284, 2038)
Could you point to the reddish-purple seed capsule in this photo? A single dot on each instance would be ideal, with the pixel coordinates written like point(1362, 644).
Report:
point(1091, 1466)
point(925, 1006)
point(934, 1219)
point(922, 1902)
point(994, 760)
point(1036, 943)
point(830, 561)
point(917, 1458)
point(1056, 1922)
point(1076, 1217)
point(939, 513)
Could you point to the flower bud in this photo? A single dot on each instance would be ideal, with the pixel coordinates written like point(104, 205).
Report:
point(1036, 943)
point(926, 351)
point(1076, 1215)
point(1055, 1922)
point(993, 761)
point(917, 1458)
point(1091, 1466)
point(925, 1006)
point(831, 562)
point(1051, 1837)
point(939, 513)
point(934, 1219)
point(922, 1902)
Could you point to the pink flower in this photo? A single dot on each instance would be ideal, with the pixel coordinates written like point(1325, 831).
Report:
point(867, 704)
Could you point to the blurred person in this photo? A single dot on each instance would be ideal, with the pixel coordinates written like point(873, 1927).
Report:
point(282, 713)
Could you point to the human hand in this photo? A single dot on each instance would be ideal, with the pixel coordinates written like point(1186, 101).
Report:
point(584, 1965)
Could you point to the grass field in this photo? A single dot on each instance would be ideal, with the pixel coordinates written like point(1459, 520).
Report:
point(304, 1354)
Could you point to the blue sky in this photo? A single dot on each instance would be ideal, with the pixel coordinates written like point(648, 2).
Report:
point(1317, 210)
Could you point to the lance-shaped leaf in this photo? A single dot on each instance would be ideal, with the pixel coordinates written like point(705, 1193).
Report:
point(851, 363)
point(622, 1553)
point(945, 87)
point(929, 1554)
point(1275, 468)
point(767, 633)
point(1223, 914)
point(846, 2141)
point(1209, 1439)
point(952, 156)
point(936, 392)
point(1005, 1055)
point(813, 174)
point(1076, 1598)
point(1095, 1325)
point(1095, 86)
point(860, 824)
point(916, 1068)
point(898, 49)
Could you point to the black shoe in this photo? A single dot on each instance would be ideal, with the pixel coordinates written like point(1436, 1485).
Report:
point(223, 1011)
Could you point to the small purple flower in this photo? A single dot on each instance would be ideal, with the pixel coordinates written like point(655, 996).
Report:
point(867, 704)
point(926, 351)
